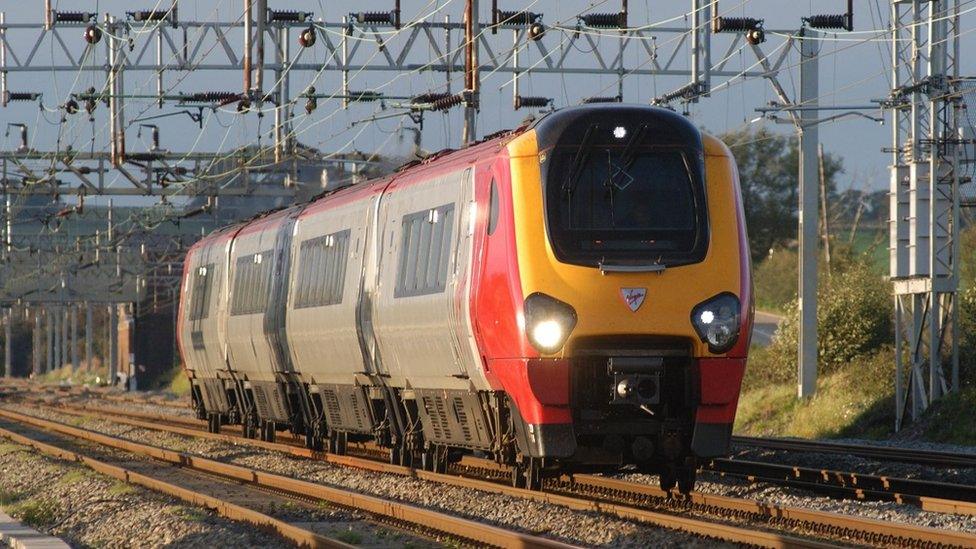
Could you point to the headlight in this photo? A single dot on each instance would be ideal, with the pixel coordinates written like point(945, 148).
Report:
point(548, 322)
point(717, 322)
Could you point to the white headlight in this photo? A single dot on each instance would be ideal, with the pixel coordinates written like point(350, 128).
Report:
point(548, 334)
point(620, 132)
point(707, 317)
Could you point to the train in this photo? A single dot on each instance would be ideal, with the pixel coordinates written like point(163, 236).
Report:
point(571, 295)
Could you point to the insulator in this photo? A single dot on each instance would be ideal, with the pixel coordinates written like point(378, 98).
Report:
point(22, 96)
point(446, 102)
point(311, 105)
point(604, 20)
point(513, 18)
point(529, 101)
point(365, 96)
point(288, 16)
point(244, 105)
point(537, 30)
point(828, 22)
point(736, 24)
point(93, 34)
point(375, 17)
point(756, 36)
point(90, 105)
point(210, 96)
point(610, 99)
point(306, 38)
point(71, 106)
point(152, 15)
point(430, 97)
point(72, 16)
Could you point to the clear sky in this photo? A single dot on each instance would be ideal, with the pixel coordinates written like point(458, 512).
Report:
point(854, 69)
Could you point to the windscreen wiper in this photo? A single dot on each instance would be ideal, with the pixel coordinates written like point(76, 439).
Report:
point(582, 154)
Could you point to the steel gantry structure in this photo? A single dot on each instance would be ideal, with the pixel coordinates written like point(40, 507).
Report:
point(299, 49)
point(926, 104)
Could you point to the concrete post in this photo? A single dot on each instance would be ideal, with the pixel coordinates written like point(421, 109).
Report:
point(807, 234)
point(7, 345)
point(56, 313)
point(49, 344)
point(65, 340)
point(37, 342)
point(74, 339)
point(113, 343)
point(88, 336)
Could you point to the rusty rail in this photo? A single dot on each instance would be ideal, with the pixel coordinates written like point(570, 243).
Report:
point(935, 496)
point(606, 490)
point(299, 536)
point(877, 452)
point(477, 532)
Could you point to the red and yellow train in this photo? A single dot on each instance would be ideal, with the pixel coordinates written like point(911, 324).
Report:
point(573, 294)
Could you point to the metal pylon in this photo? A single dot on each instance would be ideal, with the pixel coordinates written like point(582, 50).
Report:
point(924, 200)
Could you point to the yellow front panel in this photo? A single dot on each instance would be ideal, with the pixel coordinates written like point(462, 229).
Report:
point(671, 294)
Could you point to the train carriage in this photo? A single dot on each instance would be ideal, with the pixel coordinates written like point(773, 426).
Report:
point(574, 294)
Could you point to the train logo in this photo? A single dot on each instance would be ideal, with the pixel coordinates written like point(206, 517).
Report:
point(633, 297)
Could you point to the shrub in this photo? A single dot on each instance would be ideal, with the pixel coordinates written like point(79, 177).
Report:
point(853, 318)
point(967, 335)
point(774, 280)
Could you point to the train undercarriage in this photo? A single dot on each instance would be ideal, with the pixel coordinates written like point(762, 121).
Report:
point(628, 412)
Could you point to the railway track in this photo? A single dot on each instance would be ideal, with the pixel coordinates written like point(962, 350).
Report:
point(919, 457)
point(613, 496)
point(939, 497)
point(196, 480)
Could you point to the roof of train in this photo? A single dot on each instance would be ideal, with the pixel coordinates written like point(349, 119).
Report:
point(438, 161)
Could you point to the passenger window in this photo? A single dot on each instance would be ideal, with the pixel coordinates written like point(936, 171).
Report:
point(202, 287)
point(493, 208)
point(425, 251)
point(322, 270)
point(252, 282)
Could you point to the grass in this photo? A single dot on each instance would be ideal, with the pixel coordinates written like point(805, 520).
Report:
point(950, 419)
point(36, 512)
point(174, 381)
point(350, 537)
point(852, 401)
point(119, 488)
point(75, 476)
point(9, 497)
point(191, 514)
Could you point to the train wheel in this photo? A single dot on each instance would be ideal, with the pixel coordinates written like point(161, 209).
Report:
point(312, 440)
point(268, 431)
point(687, 474)
point(668, 478)
point(434, 459)
point(528, 474)
point(248, 428)
point(337, 444)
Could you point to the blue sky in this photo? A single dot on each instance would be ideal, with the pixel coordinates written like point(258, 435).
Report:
point(853, 70)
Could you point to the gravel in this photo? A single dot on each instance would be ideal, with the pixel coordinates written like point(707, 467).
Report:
point(91, 510)
point(543, 519)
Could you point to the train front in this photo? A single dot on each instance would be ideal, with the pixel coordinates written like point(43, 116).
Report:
point(636, 312)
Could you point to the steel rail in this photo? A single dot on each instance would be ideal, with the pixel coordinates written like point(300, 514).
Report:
point(883, 453)
point(473, 531)
point(693, 526)
point(603, 491)
point(935, 496)
point(228, 510)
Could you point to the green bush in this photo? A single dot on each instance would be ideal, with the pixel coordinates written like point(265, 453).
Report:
point(774, 280)
point(967, 335)
point(853, 318)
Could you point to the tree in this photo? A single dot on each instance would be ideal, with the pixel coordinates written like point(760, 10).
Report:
point(768, 172)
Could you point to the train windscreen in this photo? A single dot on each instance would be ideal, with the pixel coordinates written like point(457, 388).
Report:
point(626, 202)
